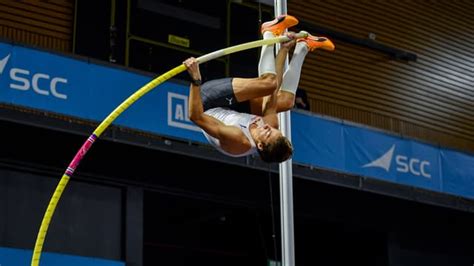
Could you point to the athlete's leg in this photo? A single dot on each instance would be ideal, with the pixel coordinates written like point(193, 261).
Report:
point(247, 89)
point(256, 104)
point(286, 95)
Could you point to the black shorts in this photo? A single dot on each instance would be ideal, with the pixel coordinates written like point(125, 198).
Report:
point(219, 93)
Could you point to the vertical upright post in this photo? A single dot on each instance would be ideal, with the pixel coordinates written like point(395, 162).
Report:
point(74, 34)
point(112, 34)
point(127, 34)
point(227, 39)
point(286, 176)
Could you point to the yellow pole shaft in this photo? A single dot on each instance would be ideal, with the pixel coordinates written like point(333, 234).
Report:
point(113, 115)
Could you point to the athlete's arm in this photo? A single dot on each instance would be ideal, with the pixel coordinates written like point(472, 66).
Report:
point(227, 135)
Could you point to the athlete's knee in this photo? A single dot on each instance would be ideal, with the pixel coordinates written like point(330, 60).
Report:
point(269, 82)
point(286, 101)
point(287, 104)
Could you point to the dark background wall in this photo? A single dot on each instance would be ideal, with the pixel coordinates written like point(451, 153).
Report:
point(142, 205)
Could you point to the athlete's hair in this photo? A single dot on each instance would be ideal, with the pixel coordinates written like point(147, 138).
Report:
point(276, 152)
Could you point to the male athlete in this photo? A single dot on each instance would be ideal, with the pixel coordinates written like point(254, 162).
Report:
point(238, 116)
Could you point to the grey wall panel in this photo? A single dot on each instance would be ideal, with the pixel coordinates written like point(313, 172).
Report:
point(87, 222)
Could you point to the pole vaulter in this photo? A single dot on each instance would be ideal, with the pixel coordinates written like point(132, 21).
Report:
point(118, 111)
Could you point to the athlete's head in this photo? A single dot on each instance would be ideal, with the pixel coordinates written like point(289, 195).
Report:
point(272, 146)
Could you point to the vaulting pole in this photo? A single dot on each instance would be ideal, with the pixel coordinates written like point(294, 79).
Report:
point(35, 260)
point(286, 176)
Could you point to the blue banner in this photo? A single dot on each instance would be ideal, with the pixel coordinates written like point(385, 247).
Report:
point(390, 158)
point(458, 173)
point(78, 88)
point(22, 257)
point(318, 142)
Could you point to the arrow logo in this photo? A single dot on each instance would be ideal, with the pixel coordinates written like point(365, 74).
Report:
point(383, 161)
point(3, 63)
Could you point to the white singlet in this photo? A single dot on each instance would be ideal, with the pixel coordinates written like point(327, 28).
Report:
point(233, 118)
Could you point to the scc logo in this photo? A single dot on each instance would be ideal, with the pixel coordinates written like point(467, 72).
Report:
point(404, 164)
point(23, 80)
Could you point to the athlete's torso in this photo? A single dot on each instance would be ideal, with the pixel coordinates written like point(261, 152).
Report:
point(232, 118)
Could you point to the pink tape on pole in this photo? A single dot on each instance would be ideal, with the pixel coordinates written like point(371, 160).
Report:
point(80, 154)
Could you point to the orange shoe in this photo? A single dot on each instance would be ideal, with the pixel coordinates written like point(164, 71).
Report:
point(279, 24)
point(314, 42)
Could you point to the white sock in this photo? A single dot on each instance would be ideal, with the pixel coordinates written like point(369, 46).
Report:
point(291, 78)
point(267, 59)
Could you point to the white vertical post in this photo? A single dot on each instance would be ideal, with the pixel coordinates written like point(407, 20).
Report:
point(286, 176)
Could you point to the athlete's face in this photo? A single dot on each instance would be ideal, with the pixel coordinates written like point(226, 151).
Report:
point(267, 134)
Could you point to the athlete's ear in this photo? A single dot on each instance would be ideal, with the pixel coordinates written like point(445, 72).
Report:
point(260, 145)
